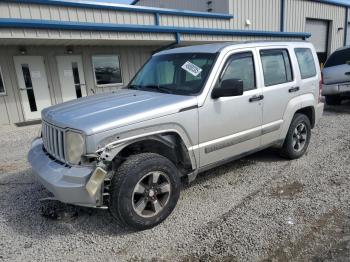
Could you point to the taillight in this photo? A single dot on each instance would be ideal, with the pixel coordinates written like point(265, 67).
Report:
point(320, 88)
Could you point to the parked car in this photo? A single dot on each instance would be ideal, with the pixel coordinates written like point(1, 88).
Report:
point(187, 110)
point(336, 76)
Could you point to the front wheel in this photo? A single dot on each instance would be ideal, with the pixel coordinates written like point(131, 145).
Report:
point(298, 137)
point(145, 190)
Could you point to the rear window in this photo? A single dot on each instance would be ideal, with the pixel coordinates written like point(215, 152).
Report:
point(340, 57)
point(276, 66)
point(306, 62)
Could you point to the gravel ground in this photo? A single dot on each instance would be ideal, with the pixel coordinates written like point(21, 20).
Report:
point(261, 207)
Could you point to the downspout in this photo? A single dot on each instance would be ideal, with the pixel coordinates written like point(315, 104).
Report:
point(346, 25)
point(170, 46)
point(282, 15)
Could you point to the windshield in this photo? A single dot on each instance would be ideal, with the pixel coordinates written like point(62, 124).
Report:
point(182, 74)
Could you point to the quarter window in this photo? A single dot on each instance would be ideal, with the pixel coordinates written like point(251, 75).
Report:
point(107, 69)
point(2, 86)
point(241, 66)
point(306, 62)
point(276, 66)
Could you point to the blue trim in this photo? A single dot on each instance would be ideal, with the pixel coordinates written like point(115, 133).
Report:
point(157, 18)
point(129, 8)
point(283, 2)
point(333, 2)
point(346, 25)
point(65, 25)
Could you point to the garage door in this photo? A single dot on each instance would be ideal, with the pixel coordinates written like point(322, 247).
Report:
point(319, 34)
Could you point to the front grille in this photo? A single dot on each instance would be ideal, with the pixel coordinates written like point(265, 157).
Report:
point(53, 139)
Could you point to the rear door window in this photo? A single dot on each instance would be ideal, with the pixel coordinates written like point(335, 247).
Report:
point(276, 66)
point(306, 62)
point(340, 57)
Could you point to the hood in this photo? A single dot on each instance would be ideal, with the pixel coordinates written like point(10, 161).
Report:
point(98, 113)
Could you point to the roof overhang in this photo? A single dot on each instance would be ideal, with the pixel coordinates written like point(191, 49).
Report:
point(83, 26)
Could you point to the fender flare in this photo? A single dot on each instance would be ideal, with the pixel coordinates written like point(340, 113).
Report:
point(293, 106)
point(112, 149)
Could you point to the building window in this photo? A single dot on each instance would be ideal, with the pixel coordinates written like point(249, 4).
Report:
point(107, 70)
point(276, 66)
point(2, 86)
point(306, 62)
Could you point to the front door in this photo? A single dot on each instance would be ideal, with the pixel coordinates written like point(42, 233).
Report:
point(231, 126)
point(70, 70)
point(33, 85)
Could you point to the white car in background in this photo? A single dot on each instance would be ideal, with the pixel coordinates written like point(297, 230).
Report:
point(336, 76)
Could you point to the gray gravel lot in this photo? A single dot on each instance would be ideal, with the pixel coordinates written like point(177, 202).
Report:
point(261, 207)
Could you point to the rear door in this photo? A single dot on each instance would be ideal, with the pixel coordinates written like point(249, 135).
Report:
point(279, 87)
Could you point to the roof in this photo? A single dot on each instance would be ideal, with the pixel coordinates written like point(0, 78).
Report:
point(109, 5)
point(217, 47)
point(345, 3)
point(206, 48)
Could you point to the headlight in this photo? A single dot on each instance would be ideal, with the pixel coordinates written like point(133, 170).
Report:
point(75, 146)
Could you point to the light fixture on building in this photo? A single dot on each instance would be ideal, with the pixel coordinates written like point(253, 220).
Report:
point(247, 22)
point(340, 28)
point(210, 6)
point(69, 50)
point(23, 50)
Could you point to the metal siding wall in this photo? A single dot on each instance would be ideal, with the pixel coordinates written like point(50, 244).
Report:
point(197, 5)
point(73, 14)
point(131, 59)
point(298, 10)
point(171, 20)
point(218, 6)
point(263, 14)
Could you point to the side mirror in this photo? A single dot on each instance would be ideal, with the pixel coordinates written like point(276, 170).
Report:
point(228, 87)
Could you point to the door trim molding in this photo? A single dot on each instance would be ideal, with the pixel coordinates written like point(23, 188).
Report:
point(237, 138)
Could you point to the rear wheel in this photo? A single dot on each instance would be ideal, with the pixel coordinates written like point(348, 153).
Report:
point(298, 137)
point(333, 100)
point(144, 191)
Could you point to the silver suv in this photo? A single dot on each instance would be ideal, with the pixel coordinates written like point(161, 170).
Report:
point(336, 76)
point(187, 110)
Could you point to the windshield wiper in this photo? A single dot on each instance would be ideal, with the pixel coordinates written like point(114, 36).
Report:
point(159, 88)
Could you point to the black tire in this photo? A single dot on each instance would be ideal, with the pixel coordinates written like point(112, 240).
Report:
point(333, 100)
point(129, 174)
point(290, 149)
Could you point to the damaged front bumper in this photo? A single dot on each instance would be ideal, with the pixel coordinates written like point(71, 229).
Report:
point(67, 183)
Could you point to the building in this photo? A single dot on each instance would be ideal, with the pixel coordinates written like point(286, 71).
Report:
point(57, 50)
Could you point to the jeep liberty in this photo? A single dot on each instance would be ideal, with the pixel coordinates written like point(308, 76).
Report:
point(187, 110)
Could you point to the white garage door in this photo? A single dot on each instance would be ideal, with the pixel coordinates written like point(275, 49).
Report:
point(319, 34)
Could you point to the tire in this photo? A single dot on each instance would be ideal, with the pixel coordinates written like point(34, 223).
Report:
point(333, 100)
point(290, 149)
point(138, 203)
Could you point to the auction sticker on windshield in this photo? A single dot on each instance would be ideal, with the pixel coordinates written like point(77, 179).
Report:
point(191, 68)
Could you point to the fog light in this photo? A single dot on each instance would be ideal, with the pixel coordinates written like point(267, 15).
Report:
point(95, 181)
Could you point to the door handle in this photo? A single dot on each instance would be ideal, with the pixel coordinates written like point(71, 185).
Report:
point(24, 89)
point(347, 73)
point(294, 89)
point(256, 98)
